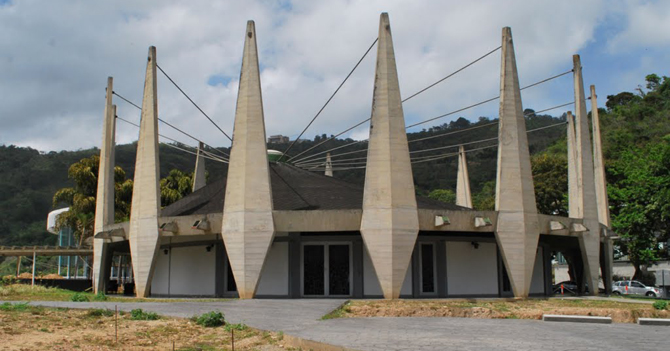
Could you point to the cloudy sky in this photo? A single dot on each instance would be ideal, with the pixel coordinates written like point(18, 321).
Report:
point(55, 57)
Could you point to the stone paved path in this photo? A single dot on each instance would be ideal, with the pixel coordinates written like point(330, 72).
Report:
point(301, 318)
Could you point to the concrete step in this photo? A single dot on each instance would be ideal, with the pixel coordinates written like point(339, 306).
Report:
point(576, 319)
point(653, 321)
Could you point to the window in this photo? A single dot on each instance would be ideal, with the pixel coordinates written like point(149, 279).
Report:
point(636, 285)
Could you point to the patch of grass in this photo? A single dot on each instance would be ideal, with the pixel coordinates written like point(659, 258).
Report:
point(211, 319)
point(99, 312)
point(18, 307)
point(139, 315)
point(238, 326)
point(79, 297)
point(100, 296)
point(339, 312)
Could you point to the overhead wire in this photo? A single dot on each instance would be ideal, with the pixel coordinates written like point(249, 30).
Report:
point(193, 102)
point(413, 95)
point(434, 118)
point(453, 73)
point(176, 141)
point(329, 99)
point(173, 127)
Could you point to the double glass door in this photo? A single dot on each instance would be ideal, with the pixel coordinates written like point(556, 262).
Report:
point(326, 269)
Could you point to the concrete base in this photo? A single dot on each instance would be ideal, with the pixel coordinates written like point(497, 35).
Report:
point(576, 319)
point(653, 321)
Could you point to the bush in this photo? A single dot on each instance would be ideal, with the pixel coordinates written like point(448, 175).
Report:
point(139, 315)
point(660, 305)
point(211, 319)
point(79, 297)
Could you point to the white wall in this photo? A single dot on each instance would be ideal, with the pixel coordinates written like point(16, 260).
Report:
point(537, 282)
point(371, 285)
point(472, 271)
point(191, 271)
point(274, 278)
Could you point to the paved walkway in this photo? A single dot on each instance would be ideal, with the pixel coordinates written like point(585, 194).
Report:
point(301, 318)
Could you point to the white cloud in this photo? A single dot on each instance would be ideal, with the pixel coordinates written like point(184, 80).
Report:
point(53, 68)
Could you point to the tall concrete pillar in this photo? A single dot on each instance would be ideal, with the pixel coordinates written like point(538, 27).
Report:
point(588, 208)
point(104, 200)
point(199, 180)
point(329, 166)
point(573, 190)
point(248, 226)
point(390, 222)
point(145, 206)
point(598, 164)
point(463, 196)
point(517, 232)
point(601, 193)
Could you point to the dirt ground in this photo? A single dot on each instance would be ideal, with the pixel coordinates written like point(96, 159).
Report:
point(36, 328)
point(514, 309)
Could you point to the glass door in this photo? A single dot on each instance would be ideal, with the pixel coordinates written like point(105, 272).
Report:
point(326, 269)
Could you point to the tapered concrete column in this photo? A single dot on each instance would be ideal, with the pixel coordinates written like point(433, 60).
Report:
point(390, 222)
point(329, 166)
point(199, 180)
point(598, 164)
point(145, 207)
point(588, 207)
point(573, 190)
point(601, 192)
point(463, 196)
point(248, 227)
point(518, 231)
point(104, 200)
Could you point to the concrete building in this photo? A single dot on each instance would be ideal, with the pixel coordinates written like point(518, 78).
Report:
point(271, 229)
point(278, 139)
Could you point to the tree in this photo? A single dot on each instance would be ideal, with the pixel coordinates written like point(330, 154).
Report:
point(443, 195)
point(485, 200)
point(550, 176)
point(175, 186)
point(639, 193)
point(81, 198)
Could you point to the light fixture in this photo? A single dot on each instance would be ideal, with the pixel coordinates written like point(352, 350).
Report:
point(209, 248)
point(166, 251)
point(475, 245)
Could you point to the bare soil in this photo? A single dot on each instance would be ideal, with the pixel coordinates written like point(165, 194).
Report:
point(620, 312)
point(37, 328)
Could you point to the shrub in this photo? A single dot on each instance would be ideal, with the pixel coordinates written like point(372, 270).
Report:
point(79, 297)
point(660, 305)
point(139, 315)
point(211, 319)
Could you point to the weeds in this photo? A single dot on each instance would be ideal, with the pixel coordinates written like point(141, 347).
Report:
point(139, 315)
point(338, 312)
point(211, 319)
point(238, 326)
point(99, 312)
point(18, 307)
point(79, 297)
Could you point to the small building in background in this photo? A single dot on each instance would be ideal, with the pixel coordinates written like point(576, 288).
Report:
point(278, 139)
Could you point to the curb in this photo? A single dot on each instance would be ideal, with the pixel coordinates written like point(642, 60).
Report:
point(576, 319)
point(653, 321)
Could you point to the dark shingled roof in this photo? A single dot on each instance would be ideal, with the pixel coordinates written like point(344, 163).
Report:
point(292, 189)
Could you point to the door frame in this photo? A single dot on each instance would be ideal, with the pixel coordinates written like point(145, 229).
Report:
point(326, 266)
point(433, 245)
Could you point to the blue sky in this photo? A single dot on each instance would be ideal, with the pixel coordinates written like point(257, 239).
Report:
point(53, 69)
